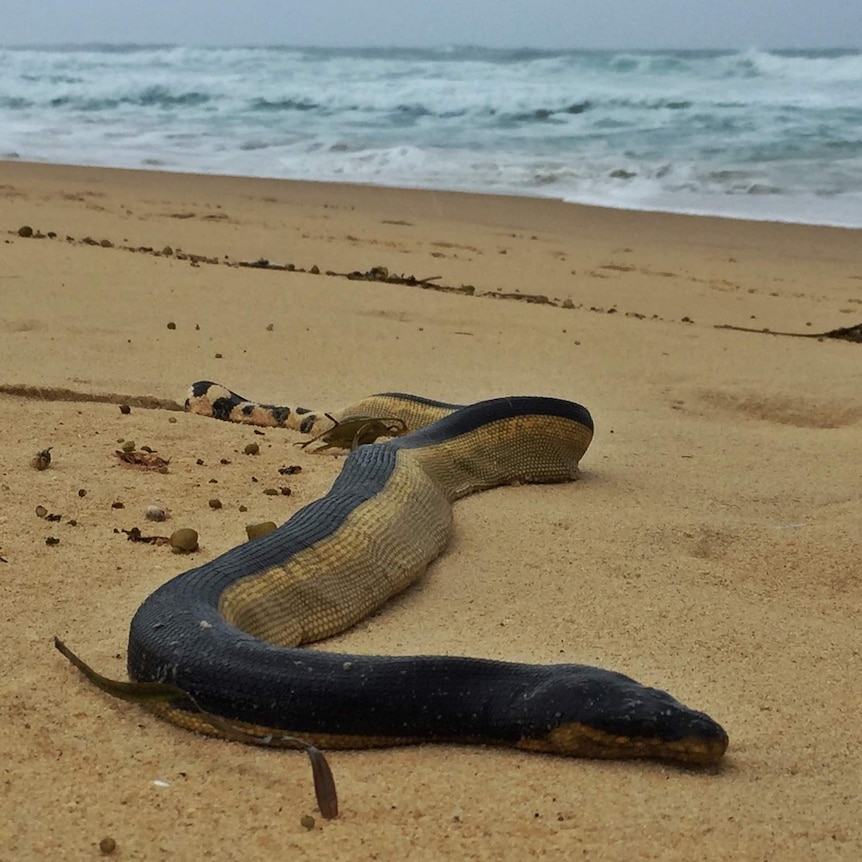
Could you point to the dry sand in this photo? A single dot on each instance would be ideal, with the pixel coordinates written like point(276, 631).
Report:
point(712, 547)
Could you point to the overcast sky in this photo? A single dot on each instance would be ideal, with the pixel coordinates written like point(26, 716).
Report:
point(492, 23)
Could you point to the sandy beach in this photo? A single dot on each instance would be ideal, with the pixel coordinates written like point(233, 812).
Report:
point(711, 547)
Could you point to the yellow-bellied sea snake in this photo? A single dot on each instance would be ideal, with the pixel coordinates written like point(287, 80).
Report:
point(229, 633)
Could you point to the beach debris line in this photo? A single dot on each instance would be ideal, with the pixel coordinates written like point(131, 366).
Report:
point(843, 333)
point(378, 273)
point(536, 298)
point(382, 274)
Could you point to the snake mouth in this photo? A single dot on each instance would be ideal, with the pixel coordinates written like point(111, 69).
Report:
point(581, 740)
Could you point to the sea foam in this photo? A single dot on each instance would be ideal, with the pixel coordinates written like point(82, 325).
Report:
point(748, 134)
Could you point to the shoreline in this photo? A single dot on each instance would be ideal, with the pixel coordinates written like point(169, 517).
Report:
point(706, 549)
point(688, 211)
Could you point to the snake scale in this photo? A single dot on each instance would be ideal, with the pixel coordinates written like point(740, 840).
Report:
point(228, 634)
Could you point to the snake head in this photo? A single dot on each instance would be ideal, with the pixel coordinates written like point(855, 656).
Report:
point(591, 712)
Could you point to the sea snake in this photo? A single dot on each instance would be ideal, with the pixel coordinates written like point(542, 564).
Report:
point(229, 632)
point(224, 639)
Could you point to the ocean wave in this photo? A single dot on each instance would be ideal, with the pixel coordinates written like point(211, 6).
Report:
point(260, 104)
point(628, 127)
point(149, 97)
point(834, 67)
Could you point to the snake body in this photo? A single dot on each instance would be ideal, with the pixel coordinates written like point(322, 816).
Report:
point(212, 399)
point(229, 633)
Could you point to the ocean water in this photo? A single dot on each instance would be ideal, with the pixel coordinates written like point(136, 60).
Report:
point(767, 135)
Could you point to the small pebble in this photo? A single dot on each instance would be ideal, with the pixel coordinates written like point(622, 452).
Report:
point(125, 409)
point(172, 420)
point(285, 491)
point(107, 845)
point(184, 540)
point(118, 505)
point(52, 541)
point(41, 511)
point(128, 446)
point(215, 503)
point(172, 325)
point(82, 492)
point(306, 821)
point(269, 327)
point(156, 512)
point(25, 230)
point(271, 492)
point(219, 356)
point(255, 531)
point(243, 508)
point(251, 449)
